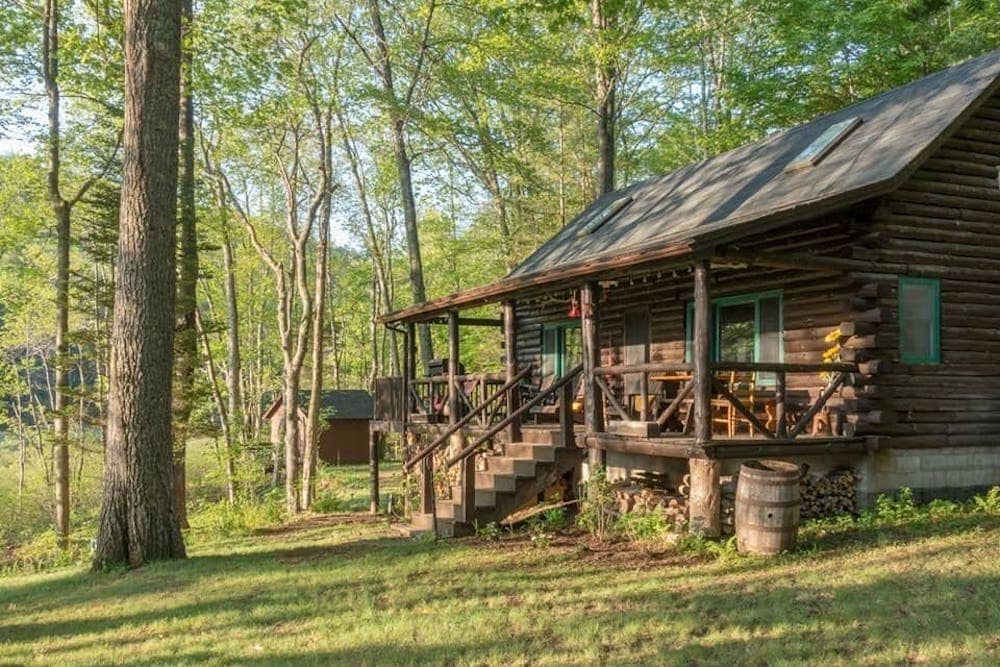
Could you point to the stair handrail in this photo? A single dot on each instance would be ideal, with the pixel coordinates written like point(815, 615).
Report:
point(461, 423)
point(506, 421)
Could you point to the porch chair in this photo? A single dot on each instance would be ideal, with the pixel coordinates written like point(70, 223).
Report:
point(744, 387)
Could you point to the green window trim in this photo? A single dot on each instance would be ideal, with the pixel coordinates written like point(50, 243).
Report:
point(554, 346)
point(740, 299)
point(934, 356)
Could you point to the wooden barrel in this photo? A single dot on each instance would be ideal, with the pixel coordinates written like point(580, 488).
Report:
point(767, 507)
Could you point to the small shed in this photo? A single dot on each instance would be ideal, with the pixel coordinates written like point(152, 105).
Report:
point(347, 412)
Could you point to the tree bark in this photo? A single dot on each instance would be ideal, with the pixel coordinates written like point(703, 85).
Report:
point(315, 421)
point(606, 80)
point(187, 286)
point(138, 521)
point(61, 210)
point(404, 173)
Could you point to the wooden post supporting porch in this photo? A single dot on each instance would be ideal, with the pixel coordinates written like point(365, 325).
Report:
point(467, 472)
point(374, 437)
point(510, 368)
point(410, 374)
point(593, 402)
point(705, 503)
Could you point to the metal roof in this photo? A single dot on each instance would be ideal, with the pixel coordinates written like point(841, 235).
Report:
point(737, 192)
point(334, 404)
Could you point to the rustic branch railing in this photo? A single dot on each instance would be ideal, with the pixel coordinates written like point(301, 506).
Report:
point(839, 374)
point(464, 421)
point(562, 385)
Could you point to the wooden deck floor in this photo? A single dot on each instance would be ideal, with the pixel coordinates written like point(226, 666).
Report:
point(685, 447)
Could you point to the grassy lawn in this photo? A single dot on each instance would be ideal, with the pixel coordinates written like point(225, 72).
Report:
point(343, 589)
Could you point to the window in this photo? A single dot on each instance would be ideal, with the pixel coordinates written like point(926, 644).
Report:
point(745, 329)
point(823, 144)
point(562, 348)
point(920, 320)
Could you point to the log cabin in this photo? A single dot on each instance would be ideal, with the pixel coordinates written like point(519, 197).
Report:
point(828, 295)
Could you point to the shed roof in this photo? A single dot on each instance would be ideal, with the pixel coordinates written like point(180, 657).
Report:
point(737, 192)
point(334, 404)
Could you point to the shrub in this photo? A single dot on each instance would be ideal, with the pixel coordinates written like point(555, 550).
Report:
point(987, 503)
point(640, 527)
point(243, 516)
point(44, 553)
point(598, 510)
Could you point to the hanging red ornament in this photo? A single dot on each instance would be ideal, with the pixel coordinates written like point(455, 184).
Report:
point(574, 306)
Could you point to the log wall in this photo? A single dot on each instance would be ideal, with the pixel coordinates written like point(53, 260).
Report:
point(944, 223)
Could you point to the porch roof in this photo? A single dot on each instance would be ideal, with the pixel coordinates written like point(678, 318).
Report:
point(746, 190)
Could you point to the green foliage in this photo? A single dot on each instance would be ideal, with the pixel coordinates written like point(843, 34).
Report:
point(699, 545)
point(244, 516)
point(597, 512)
point(643, 526)
point(43, 552)
point(490, 532)
point(987, 503)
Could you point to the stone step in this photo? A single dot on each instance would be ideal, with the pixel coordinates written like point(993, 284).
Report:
point(421, 524)
point(485, 498)
point(493, 481)
point(508, 465)
point(530, 450)
point(540, 435)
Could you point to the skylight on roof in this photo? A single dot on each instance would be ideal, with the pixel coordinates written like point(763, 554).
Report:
point(823, 144)
point(603, 214)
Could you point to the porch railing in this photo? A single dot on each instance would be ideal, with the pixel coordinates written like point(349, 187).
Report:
point(661, 411)
point(496, 399)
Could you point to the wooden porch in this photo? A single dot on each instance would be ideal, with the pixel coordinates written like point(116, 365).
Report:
point(699, 410)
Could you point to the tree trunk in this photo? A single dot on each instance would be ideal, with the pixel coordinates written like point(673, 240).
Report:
point(61, 209)
point(234, 373)
point(606, 79)
point(404, 174)
point(138, 522)
point(315, 420)
point(187, 286)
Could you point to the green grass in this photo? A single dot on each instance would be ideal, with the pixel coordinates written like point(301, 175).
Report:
point(343, 589)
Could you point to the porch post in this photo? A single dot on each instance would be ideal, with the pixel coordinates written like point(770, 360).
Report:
point(467, 466)
point(705, 498)
point(510, 367)
point(410, 374)
point(593, 403)
point(374, 437)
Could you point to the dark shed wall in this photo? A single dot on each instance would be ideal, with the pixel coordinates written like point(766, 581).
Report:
point(945, 223)
point(345, 441)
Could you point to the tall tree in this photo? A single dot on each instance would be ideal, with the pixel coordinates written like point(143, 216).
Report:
point(187, 280)
point(138, 520)
point(398, 100)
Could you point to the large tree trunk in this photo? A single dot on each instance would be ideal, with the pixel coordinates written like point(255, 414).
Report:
point(138, 521)
point(61, 209)
point(187, 286)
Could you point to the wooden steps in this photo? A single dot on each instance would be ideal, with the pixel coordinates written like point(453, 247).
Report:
point(509, 482)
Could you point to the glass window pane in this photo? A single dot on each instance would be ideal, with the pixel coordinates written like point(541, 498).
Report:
point(572, 348)
point(736, 332)
point(770, 329)
point(918, 323)
point(550, 345)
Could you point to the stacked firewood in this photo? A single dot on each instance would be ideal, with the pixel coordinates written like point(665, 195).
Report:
point(830, 494)
point(648, 492)
point(728, 484)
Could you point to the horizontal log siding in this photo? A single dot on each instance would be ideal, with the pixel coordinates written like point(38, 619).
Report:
point(944, 223)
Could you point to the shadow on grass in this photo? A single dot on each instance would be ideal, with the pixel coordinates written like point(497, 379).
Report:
point(670, 614)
